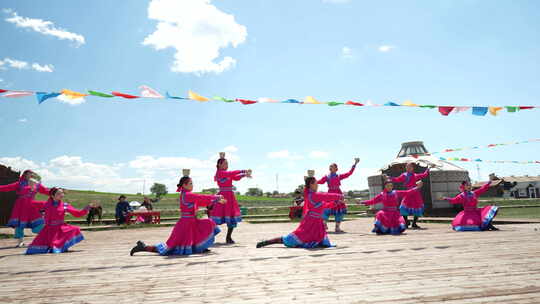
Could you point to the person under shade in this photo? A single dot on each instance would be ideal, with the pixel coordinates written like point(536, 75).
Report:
point(56, 236)
point(412, 203)
point(472, 218)
point(122, 209)
point(190, 235)
point(228, 213)
point(389, 220)
point(333, 180)
point(311, 232)
point(24, 214)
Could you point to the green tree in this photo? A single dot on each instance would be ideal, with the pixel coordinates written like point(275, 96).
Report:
point(211, 190)
point(158, 190)
point(254, 192)
point(275, 192)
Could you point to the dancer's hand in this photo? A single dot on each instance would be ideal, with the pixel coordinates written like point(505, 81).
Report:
point(356, 161)
point(419, 184)
point(248, 173)
point(222, 199)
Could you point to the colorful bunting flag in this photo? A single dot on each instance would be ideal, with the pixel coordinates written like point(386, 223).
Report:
point(479, 111)
point(148, 92)
point(99, 94)
point(15, 94)
point(194, 96)
point(72, 94)
point(493, 110)
point(42, 96)
point(352, 103)
point(311, 100)
point(124, 95)
point(224, 99)
point(392, 104)
point(409, 103)
point(246, 101)
point(445, 110)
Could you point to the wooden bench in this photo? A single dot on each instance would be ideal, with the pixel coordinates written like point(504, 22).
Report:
point(155, 215)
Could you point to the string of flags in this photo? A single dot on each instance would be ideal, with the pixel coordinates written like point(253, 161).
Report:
point(488, 146)
point(460, 159)
point(147, 92)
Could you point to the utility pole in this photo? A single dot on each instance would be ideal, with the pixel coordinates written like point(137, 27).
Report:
point(277, 182)
point(144, 186)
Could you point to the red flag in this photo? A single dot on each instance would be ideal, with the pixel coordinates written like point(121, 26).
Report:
point(124, 95)
point(3, 91)
point(445, 110)
point(352, 103)
point(246, 101)
point(525, 108)
point(464, 159)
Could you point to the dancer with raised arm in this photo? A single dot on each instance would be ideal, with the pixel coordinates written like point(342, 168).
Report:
point(412, 203)
point(338, 209)
point(24, 214)
point(56, 236)
point(388, 220)
point(311, 232)
point(229, 213)
point(190, 234)
point(472, 218)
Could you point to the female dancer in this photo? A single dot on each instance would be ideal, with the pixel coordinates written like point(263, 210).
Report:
point(24, 214)
point(412, 203)
point(190, 234)
point(333, 180)
point(472, 218)
point(57, 236)
point(310, 233)
point(388, 220)
point(228, 213)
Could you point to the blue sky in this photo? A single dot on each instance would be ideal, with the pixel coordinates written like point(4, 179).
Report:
point(431, 52)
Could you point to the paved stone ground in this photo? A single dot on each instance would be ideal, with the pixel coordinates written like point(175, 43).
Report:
point(422, 266)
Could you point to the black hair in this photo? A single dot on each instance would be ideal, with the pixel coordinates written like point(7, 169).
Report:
point(53, 191)
point(219, 162)
point(310, 180)
point(183, 181)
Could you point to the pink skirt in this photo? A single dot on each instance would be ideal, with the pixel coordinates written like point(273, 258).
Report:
point(413, 200)
point(189, 235)
point(24, 214)
point(228, 213)
point(389, 222)
point(309, 234)
point(55, 239)
point(474, 220)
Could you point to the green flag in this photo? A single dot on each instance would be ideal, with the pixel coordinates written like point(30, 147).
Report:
point(99, 94)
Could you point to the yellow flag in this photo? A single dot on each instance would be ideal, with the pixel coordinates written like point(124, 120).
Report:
point(493, 110)
point(72, 94)
point(194, 96)
point(311, 100)
point(409, 104)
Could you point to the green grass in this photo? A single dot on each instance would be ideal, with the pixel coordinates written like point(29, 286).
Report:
point(507, 202)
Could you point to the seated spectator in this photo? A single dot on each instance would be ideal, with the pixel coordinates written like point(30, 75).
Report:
point(122, 209)
point(147, 203)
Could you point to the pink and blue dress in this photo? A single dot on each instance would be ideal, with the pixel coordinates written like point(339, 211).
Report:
point(338, 208)
point(191, 235)
point(24, 213)
point(311, 232)
point(56, 236)
point(412, 203)
point(389, 220)
point(228, 213)
point(473, 218)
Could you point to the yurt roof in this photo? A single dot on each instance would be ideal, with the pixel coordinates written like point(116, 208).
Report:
point(424, 161)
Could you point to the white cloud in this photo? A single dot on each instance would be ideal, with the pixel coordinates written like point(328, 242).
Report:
point(42, 68)
point(70, 101)
point(23, 120)
point(230, 149)
point(23, 65)
point(147, 162)
point(43, 27)
point(347, 53)
point(318, 154)
point(336, 1)
point(283, 154)
point(197, 30)
point(386, 48)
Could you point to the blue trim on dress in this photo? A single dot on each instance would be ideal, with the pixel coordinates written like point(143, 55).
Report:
point(162, 248)
point(381, 229)
point(291, 240)
point(231, 221)
point(46, 249)
point(406, 211)
point(16, 223)
point(489, 217)
point(467, 228)
point(339, 214)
